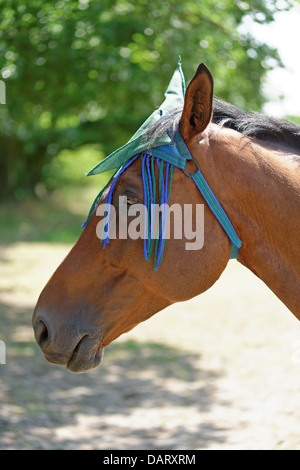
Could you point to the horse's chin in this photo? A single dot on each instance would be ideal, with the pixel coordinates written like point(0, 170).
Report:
point(84, 358)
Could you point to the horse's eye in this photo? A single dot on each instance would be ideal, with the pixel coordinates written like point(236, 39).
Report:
point(132, 199)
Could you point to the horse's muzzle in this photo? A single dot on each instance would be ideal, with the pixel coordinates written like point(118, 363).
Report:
point(79, 351)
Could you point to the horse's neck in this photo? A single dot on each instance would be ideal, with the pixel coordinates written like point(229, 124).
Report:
point(260, 190)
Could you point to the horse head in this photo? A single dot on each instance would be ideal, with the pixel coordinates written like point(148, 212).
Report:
point(97, 294)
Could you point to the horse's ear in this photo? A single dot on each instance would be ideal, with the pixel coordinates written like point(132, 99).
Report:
point(198, 104)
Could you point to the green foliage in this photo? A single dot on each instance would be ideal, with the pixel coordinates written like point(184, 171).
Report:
point(69, 167)
point(83, 72)
point(295, 119)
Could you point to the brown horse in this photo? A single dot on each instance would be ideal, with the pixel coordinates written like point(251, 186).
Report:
point(251, 162)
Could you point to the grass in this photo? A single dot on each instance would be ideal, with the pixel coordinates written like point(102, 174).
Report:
point(57, 217)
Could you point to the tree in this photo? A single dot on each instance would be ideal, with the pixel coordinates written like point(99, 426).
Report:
point(91, 71)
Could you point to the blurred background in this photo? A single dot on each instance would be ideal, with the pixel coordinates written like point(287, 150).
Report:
point(80, 78)
point(82, 75)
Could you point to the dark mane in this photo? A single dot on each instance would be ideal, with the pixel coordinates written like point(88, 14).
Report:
point(252, 125)
point(255, 124)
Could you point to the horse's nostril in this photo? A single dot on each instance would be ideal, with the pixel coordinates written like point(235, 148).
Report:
point(41, 333)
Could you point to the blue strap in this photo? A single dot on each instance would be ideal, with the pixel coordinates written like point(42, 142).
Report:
point(218, 211)
point(177, 155)
point(212, 201)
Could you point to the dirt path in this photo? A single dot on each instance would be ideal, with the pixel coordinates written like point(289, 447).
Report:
point(221, 371)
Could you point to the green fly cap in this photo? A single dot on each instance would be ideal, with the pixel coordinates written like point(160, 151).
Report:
point(174, 98)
